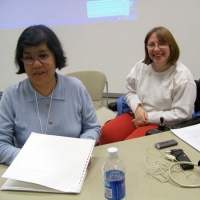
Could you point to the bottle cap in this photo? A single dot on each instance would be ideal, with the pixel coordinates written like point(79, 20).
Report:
point(112, 152)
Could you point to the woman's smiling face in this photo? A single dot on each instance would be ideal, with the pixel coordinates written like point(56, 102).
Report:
point(159, 54)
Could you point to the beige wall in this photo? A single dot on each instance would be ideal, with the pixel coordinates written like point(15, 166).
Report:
point(114, 47)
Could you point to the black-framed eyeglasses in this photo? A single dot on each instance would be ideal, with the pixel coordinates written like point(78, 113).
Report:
point(28, 60)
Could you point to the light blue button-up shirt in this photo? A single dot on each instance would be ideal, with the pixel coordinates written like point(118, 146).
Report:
point(72, 114)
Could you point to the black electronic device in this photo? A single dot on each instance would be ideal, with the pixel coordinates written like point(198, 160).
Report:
point(190, 122)
point(165, 144)
point(161, 128)
point(181, 156)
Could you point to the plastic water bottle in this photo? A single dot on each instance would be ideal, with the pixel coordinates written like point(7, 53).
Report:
point(114, 176)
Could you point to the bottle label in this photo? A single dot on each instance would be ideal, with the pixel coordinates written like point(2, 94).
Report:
point(114, 182)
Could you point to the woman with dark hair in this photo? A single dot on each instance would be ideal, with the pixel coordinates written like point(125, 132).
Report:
point(158, 86)
point(45, 102)
point(35, 35)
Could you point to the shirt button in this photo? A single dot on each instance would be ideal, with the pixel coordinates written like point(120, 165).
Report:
point(50, 122)
point(47, 105)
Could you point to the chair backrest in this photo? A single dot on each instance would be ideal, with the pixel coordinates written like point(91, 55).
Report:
point(197, 102)
point(93, 80)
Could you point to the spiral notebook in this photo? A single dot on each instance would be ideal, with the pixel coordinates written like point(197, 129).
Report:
point(49, 163)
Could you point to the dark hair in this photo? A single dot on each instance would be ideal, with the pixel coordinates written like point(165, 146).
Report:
point(164, 35)
point(35, 35)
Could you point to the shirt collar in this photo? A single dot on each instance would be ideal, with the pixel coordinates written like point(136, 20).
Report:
point(58, 94)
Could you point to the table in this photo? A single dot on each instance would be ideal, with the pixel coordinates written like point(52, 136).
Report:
point(138, 184)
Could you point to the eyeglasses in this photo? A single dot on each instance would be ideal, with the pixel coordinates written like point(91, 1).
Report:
point(28, 60)
point(160, 45)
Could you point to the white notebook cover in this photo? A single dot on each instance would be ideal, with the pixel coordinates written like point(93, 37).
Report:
point(49, 163)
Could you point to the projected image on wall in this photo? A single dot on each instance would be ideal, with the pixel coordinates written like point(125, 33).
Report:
point(22, 13)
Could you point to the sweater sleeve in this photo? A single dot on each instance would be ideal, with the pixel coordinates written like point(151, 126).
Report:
point(182, 106)
point(131, 97)
point(7, 149)
point(90, 126)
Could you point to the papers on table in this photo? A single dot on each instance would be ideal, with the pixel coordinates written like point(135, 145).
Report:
point(190, 135)
point(50, 163)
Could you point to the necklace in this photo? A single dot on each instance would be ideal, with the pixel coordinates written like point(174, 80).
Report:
point(39, 112)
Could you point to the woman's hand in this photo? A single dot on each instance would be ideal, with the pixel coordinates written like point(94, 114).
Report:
point(140, 117)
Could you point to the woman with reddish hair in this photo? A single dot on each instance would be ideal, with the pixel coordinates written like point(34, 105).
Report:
point(158, 86)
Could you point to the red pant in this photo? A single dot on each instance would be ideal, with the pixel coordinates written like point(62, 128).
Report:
point(122, 128)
